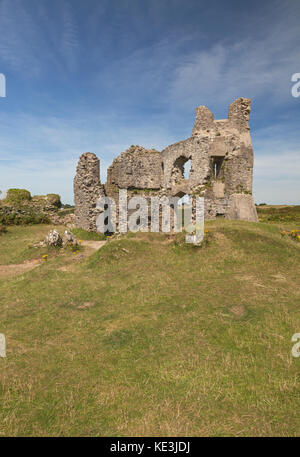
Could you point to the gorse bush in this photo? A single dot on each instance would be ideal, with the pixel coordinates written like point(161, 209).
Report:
point(293, 234)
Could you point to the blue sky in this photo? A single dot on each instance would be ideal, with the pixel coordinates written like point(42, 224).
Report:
point(100, 75)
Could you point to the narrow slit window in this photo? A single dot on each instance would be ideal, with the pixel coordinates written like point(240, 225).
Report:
point(216, 166)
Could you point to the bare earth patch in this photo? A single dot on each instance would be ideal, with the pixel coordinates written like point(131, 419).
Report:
point(16, 269)
point(95, 245)
point(279, 277)
point(238, 311)
point(85, 305)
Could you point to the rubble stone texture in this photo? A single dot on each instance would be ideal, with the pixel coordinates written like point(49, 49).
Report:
point(221, 169)
point(53, 239)
point(68, 237)
point(87, 190)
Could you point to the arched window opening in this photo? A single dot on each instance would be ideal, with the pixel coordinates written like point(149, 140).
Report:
point(181, 169)
point(187, 168)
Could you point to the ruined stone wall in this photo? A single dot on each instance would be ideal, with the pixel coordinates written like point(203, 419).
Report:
point(194, 149)
point(87, 190)
point(136, 168)
point(221, 159)
point(221, 170)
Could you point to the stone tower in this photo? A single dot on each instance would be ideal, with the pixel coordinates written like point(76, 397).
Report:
point(87, 190)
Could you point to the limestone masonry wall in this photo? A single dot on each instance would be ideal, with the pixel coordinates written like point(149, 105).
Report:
point(221, 157)
point(87, 190)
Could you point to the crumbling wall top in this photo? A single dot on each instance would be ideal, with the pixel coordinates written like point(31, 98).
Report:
point(204, 120)
point(88, 167)
point(238, 118)
point(238, 114)
point(136, 167)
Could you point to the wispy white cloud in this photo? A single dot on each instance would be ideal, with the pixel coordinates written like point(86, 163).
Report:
point(41, 153)
point(70, 37)
point(253, 67)
point(146, 86)
point(32, 47)
point(18, 42)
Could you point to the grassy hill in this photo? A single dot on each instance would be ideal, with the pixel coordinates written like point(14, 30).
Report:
point(150, 336)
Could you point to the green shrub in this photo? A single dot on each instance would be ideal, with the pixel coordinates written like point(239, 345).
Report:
point(17, 196)
point(22, 217)
point(54, 199)
point(43, 201)
point(3, 229)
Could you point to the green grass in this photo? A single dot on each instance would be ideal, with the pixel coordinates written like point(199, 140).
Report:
point(150, 337)
point(16, 245)
point(86, 235)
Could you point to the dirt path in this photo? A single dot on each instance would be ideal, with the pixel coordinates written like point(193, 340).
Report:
point(94, 245)
point(7, 271)
point(18, 268)
point(90, 247)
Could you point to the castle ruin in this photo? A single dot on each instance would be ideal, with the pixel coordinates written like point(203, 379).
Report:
point(221, 170)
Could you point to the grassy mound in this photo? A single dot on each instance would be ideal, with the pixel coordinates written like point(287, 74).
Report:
point(47, 200)
point(19, 208)
point(17, 196)
point(149, 337)
point(86, 235)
